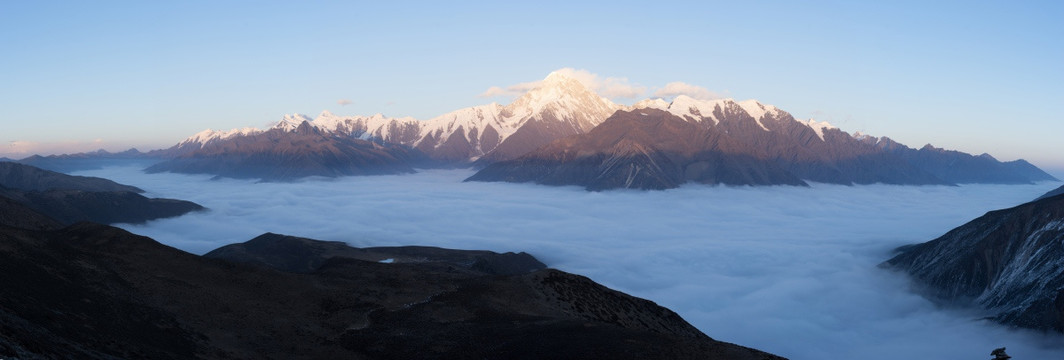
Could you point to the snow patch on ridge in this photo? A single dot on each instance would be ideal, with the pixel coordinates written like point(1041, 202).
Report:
point(203, 137)
point(757, 110)
point(818, 126)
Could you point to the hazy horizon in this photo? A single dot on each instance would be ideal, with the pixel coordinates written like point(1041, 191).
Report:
point(788, 270)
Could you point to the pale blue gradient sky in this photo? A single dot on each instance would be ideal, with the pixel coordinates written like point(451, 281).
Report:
point(972, 76)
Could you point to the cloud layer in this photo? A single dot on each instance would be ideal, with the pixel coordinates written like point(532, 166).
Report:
point(677, 88)
point(784, 269)
point(610, 87)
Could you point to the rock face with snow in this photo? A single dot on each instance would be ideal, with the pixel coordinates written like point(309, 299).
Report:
point(1009, 262)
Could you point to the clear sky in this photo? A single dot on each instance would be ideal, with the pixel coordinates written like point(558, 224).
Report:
point(966, 75)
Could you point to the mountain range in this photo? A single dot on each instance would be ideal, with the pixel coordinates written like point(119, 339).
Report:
point(560, 132)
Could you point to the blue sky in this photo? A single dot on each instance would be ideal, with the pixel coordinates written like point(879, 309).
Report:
point(972, 76)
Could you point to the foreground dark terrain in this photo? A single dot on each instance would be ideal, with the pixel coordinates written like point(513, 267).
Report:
point(91, 291)
point(68, 199)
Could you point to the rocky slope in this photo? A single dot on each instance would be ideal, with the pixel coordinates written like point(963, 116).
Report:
point(69, 199)
point(91, 291)
point(642, 149)
point(1009, 262)
point(279, 155)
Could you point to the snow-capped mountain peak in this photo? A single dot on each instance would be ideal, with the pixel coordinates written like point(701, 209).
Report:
point(291, 121)
point(564, 98)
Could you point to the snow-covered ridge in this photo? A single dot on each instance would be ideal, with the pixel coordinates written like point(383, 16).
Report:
point(697, 110)
point(818, 126)
point(203, 137)
point(558, 98)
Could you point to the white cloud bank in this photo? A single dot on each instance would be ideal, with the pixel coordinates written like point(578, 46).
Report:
point(677, 88)
point(610, 87)
point(787, 270)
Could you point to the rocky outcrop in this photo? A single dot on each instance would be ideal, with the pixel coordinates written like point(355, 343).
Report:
point(1009, 262)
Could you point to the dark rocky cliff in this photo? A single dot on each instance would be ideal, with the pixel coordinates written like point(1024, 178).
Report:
point(1009, 262)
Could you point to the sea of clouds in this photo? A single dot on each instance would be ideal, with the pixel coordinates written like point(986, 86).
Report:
point(787, 270)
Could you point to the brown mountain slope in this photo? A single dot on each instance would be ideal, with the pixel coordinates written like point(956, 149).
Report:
point(642, 149)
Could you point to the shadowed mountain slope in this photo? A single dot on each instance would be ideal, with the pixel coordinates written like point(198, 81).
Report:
point(1009, 262)
point(69, 199)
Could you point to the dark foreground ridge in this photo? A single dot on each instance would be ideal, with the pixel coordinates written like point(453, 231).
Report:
point(1009, 262)
point(91, 291)
point(70, 199)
